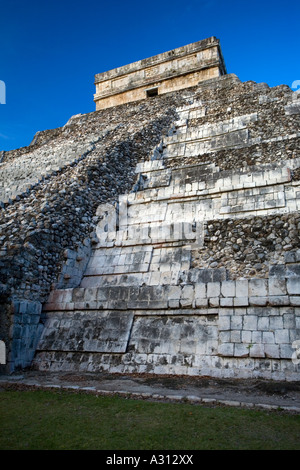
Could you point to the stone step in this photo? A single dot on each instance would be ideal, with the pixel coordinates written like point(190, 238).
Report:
point(199, 288)
point(201, 180)
point(137, 260)
point(150, 278)
point(119, 260)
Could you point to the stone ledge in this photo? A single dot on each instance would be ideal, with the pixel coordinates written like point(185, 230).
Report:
point(193, 294)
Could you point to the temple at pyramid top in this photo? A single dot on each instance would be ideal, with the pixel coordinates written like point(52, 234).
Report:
point(170, 71)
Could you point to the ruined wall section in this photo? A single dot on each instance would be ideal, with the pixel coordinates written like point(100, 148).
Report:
point(46, 228)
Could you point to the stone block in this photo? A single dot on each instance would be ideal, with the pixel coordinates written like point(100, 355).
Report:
point(226, 311)
point(226, 349)
point(224, 322)
point(224, 336)
point(277, 286)
point(257, 350)
point(158, 293)
point(258, 288)
point(102, 293)
point(201, 303)
point(277, 270)
point(276, 323)
point(213, 289)
point(290, 257)
point(258, 301)
point(187, 292)
point(282, 336)
point(268, 337)
point(226, 301)
point(241, 350)
point(228, 288)
point(289, 320)
point(236, 322)
point(114, 305)
point(240, 301)
point(241, 288)
point(246, 336)
point(172, 292)
point(235, 336)
point(186, 303)
point(219, 274)
point(256, 337)
point(200, 275)
point(293, 285)
point(49, 307)
point(90, 294)
point(214, 301)
point(78, 294)
point(154, 278)
point(278, 300)
point(263, 323)
point(272, 350)
point(250, 322)
point(286, 351)
point(293, 270)
point(158, 304)
point(200, 290)
point(292, 108)
point(263, 311)
point(295, 301)
point(166, 278)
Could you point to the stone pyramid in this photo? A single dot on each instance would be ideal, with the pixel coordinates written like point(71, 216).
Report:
point(158, 236)
point(196, 270)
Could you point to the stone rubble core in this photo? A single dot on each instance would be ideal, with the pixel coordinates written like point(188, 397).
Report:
point(195, 271)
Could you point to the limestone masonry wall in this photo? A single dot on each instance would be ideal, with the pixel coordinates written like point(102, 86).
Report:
point(159, 236)
point(170, 71)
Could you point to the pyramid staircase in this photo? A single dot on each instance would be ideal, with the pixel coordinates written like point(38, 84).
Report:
point(141, 306)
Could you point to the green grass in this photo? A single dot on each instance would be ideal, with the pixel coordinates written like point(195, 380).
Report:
point(60, 420)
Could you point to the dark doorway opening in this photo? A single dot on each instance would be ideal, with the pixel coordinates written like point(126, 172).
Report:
point(152, 92)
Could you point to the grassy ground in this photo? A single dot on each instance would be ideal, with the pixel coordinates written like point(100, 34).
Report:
point(61, 420)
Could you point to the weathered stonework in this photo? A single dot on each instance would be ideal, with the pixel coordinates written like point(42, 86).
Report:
point(166, 241)
point(173, 70)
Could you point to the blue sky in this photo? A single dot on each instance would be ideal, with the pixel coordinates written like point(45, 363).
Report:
point(51, 50)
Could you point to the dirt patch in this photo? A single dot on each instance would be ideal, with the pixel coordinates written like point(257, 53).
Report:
point(279, 388)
